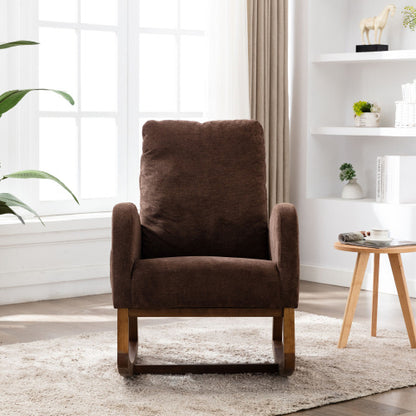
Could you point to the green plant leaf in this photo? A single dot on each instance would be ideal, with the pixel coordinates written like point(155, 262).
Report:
point(4, 209)
point(10, 98)
point(38, 174)
point(409, 17)
point(12, 201)
point(362, 107)
point(347, 172)
point(17, 43)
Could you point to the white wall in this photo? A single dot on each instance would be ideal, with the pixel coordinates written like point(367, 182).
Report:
point(67, 257)
point(321, 220)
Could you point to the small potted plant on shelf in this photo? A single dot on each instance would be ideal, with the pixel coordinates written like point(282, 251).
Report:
point(409, 17)
point(366, 114)
point(352, 190)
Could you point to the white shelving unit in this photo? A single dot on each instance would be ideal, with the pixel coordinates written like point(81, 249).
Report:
point(376, 57)
point(362, 131)
point(338, 77)
point(330, 77)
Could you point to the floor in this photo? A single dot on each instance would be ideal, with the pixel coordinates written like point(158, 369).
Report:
point(50, 319)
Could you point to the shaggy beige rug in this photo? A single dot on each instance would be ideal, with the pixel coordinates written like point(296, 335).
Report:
point(77, 375)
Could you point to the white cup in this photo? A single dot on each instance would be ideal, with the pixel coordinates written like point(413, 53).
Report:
point(379, 234)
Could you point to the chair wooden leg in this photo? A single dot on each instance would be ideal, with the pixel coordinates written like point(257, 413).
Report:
point(288, 342)
point(277, 328)
point(284, 345)
point(126, 342)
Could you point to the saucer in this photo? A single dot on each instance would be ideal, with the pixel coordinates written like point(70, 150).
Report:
point(378, 240)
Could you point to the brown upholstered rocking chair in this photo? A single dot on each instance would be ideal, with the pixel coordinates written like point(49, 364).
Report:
point(201, 245)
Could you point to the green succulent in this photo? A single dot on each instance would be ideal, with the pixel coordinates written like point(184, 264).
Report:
point(347, 172)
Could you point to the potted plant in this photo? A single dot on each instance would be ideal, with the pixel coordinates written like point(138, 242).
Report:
point(366, 114)
point(8, 100)
point(409, 17)
point(352, 190)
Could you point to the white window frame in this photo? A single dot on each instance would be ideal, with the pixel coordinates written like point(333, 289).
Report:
point(135, 113)
point(128, 114)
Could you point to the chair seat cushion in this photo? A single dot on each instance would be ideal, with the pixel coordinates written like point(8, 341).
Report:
point(205, 282)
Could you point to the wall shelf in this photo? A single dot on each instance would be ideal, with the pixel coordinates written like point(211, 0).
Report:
point(362, 57)
point(342, 200)
point(365, 131)
point(361, 201)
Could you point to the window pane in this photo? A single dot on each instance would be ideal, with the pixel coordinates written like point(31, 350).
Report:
point(100, 12)
point(58, 155)
point(158, 13)
point(193, 73)
point(59, 10)
point(58, 60)
point(193, 14)
point(98, 157)
point(99, 71)
point(157, 73)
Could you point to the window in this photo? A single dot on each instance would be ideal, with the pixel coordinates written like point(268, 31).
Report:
point(123, 65)
point(80, 52)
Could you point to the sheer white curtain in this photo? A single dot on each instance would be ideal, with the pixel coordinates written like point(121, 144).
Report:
point(227, 93)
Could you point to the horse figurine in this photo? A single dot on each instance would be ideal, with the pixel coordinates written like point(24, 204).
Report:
point(376, 23)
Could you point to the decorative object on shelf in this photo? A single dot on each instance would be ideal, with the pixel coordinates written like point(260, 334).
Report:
point(395, 179)
point(352, 190)
point(7, 101)
point(371, 48)
point(406, 109)
point(409, 17)
point(376, 23)
point(366, 114)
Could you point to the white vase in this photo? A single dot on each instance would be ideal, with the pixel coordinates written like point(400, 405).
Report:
point(367, 120)
point(352, 190)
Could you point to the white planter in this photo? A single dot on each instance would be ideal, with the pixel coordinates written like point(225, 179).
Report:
point(367, 120)
point(352, 190)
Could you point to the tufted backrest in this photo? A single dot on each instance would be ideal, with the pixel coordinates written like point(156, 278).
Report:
point(203, 189)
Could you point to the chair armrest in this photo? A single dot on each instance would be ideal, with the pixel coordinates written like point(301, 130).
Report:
point(125, 250)
point(284, 250)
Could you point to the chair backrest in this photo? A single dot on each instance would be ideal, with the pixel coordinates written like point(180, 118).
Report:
point(203, 189)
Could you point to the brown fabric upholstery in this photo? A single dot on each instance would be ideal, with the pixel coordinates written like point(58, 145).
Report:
point(125, 250)
point(203, 189)
point(201, 239)
point(205, 282)
point(284, 249)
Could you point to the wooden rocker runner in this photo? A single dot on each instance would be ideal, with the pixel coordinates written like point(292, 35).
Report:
point(283, 344)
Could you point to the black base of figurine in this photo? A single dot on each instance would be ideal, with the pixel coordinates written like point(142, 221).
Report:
point(371, 48)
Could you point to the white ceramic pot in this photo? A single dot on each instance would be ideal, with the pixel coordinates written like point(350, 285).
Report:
point(367, 120)
point(352, 190)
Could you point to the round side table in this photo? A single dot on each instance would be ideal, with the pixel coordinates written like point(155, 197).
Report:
point(396, 264)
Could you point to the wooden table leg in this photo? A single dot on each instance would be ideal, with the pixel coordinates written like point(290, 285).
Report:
point(375, 295)
point(400, 280)
point(357, 280)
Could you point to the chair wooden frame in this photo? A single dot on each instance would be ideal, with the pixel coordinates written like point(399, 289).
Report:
point(283, 342)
